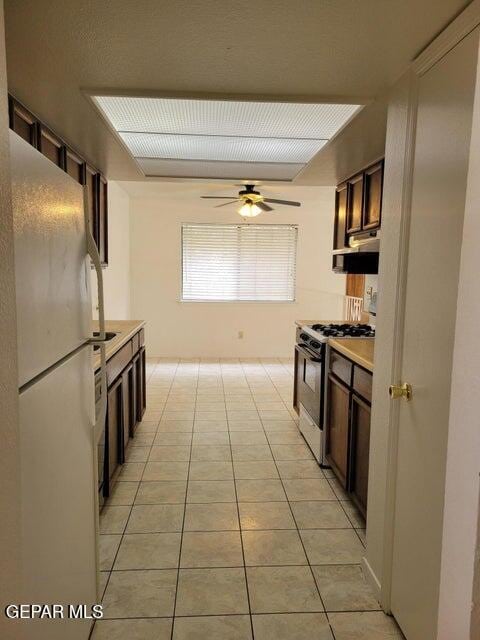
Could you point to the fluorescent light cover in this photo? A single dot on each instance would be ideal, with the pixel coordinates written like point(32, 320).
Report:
point(224, 131)
point(220, 148)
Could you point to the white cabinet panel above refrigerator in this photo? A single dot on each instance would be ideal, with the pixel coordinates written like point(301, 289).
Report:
point(52, 269)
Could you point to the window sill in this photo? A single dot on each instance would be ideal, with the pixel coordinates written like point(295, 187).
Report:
point(183, 301)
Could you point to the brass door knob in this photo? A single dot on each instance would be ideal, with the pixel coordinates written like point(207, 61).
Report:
point(400, 391)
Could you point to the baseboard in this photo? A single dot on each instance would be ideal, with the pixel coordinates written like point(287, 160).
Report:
point(373, 581)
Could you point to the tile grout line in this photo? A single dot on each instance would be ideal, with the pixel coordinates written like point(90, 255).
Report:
point(238, 514)
point(184, 511)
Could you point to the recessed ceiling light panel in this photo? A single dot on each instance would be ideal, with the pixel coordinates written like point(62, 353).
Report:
point(221, 148)
point(224, 131)
point(157, 168)
point(226, 117)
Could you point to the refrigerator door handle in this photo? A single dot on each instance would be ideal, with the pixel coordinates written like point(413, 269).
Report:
point(92, 250)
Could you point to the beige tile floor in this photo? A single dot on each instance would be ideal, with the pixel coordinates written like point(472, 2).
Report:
point(222, 526)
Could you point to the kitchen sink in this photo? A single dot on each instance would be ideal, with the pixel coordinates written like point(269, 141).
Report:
point(109, 335)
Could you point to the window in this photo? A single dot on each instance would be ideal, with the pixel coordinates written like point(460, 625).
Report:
point(239, 262)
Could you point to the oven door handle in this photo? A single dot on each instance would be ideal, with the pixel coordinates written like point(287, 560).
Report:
point(307, 354)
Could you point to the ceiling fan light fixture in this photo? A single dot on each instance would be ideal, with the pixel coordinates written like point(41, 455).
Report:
point(249, 210)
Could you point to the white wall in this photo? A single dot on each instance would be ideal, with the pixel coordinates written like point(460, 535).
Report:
point(176, 328)
point(116, 277)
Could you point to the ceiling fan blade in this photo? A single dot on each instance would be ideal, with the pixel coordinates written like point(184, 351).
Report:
point(292, 203)
point(225, 203)
point(264, 206)
point(220, 197)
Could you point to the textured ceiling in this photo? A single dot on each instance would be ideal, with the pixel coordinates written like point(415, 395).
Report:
point(312, 50)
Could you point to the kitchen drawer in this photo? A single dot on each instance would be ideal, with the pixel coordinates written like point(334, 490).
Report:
point(118, 362)
point(141, 335)
point(341, 367)
point(362, 383)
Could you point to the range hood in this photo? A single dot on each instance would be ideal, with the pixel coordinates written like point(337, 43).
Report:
point(361, 256)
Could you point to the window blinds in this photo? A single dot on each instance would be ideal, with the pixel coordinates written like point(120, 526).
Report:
point(239, 262)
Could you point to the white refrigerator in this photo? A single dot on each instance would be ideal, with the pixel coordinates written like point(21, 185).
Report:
point(58, 424)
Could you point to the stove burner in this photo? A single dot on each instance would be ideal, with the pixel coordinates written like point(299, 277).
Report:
point(345, 330)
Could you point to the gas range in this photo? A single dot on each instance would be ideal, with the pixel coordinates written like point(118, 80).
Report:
point(311, 355)
point(322, 332)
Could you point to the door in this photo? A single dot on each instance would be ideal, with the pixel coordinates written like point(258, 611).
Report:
point(372, 205)
point(92, 189)
point(338, 428)
point(128, 398)
point(102, 219)
point(443, 128)
point(58, 487)
point(339, 227)
point(51, 269)
point(114, 430)
point(22, 122)
point(359, 452)
point(355, 204)
point(50, 145)
point(309, 383)
point(141, 384)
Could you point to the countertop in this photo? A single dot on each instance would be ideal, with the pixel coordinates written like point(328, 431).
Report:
point(124, 329)
point(360, 350)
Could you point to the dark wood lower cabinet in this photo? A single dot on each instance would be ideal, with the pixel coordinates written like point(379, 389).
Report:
point(129, 401)
point(348, 427)
point(126, 403)
point(113, 431)
point(360, 451)
point(338, 428)
point(141, 384)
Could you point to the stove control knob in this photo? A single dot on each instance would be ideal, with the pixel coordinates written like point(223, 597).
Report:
point(304, 336)
point(315, 345)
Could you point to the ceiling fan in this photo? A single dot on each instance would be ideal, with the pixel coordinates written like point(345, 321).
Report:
point(253, 202)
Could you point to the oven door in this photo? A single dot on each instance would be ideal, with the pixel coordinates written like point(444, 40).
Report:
point(309, 382)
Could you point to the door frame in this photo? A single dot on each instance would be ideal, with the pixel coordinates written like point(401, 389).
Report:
point(399, 153)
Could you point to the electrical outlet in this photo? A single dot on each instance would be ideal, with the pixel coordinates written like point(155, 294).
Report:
point(240, 335)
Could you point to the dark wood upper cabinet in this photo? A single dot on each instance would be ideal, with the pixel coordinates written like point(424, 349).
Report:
point(355, 203)
point(338, 428)
point(50, 145)
point(339, 233)
point(358, 210)
point(360, 451)
point(91, 182)
point(102, 190)
point(372, 205)
point(75, 166)
point(29, 127)
point(22, 121)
